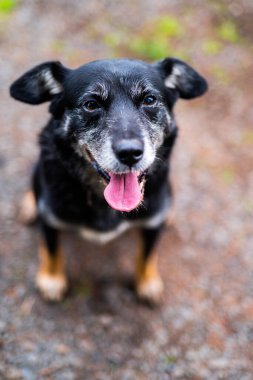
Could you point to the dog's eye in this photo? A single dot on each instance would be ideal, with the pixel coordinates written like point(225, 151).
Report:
point(149, 100)
point(91, 105)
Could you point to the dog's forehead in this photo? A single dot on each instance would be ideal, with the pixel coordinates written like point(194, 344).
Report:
point(116, 68)
point(109, 73)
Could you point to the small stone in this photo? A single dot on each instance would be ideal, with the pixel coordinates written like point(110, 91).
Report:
point(105, 320)
point(13, 374)
point(2, 326)
point(62, 349)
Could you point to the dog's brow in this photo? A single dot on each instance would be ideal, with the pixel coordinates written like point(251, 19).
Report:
point(99, 89)
point(141, 87)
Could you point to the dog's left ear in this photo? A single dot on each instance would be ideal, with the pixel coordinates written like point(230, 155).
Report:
point(181, 77)
point(40, 84)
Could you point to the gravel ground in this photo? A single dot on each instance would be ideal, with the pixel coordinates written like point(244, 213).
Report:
point(204, 327)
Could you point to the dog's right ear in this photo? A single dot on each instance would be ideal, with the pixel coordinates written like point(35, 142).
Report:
point(40, 84)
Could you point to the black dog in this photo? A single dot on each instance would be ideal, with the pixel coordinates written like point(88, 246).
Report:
point(104, 159)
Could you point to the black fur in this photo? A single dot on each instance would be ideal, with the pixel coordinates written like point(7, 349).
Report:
point(132, 100)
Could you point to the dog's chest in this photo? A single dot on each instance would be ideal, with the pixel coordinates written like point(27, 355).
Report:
point(93, 233)
point(103, 237)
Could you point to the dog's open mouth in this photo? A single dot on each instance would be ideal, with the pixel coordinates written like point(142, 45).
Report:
point(123, 192)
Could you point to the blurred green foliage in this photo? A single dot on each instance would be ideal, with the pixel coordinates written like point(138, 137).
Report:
point(220, 73)
point(7, 6)
point(154, 40)
point(167, 26)
point(247, 137)
point(58, 46)
point(150, 49)
point(228, 31)
point(113, 40)
point(169, 35)
point(248, 205)
point(170, 359)
point(228, 176)
point(82, 289)
point(212, 47)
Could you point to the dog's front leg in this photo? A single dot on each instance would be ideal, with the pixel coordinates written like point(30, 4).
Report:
point(51, 279)
point(149, 285)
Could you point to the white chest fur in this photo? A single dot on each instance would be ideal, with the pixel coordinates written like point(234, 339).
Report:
point(102, 237)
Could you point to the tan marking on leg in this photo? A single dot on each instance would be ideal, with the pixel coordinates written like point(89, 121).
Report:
point(149, 285)
point(27, 211)
point(51, 280)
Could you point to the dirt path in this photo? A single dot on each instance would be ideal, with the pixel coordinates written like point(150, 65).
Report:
point(204, 329)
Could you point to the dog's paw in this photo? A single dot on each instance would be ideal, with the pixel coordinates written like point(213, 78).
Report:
point(27, 212)
point(51, 287)
point(150, 290)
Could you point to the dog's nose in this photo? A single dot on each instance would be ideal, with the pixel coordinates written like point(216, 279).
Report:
point(128, 151)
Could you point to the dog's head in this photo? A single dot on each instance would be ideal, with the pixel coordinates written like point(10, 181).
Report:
point(116, 113)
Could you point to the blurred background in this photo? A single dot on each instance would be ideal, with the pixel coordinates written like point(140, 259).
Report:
point(204, 327)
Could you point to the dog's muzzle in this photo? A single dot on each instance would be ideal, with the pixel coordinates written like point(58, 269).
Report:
point(124, 191)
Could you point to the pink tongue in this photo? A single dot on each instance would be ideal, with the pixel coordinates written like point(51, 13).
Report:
point(123, 192)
